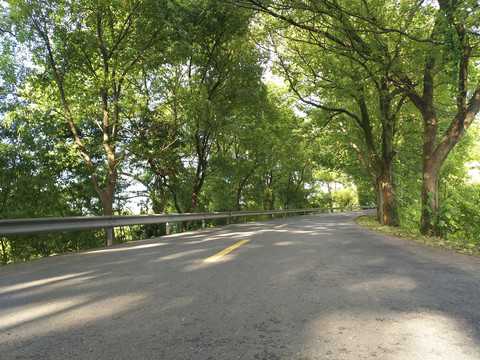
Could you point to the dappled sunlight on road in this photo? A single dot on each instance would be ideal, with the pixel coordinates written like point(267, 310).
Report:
point(132, 246)
point(213, 237)
point(284, 243)
point(421, 334)
point(181, 254)
point(19, 315)
point(30, 285)
point(392, 282)
point(42, 311)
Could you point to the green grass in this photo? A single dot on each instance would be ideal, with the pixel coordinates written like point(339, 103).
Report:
point(371, 222)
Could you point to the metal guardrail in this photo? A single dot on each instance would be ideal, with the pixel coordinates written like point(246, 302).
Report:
point(15, 227)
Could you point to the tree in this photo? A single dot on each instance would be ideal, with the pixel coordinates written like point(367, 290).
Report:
point(37, 179)
point(85, 53)
point(210, 80)
point(449, 55)
point(384, 40)
point(331, 67)
point(264, 162)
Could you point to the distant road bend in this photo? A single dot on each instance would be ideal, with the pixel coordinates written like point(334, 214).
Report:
point(303, 288)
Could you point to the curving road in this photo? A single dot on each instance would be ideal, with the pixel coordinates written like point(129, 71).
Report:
point(312, 287)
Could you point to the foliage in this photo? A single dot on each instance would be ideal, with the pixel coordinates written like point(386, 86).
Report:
point(458, 210)
point(414, 235)
point(36, 180)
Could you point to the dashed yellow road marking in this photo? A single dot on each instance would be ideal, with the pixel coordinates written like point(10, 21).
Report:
point(226, 251)
point(279, 226)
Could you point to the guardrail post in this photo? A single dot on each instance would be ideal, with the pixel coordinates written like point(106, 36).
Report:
point(109, 232)
point(203, 223)
point(167, 228)
point(244, 219)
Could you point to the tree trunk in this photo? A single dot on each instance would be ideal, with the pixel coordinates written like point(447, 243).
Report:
point(238, 207)
point(107, 202)
point(329, 196)
point(431, 165)
point(239, 191)
point(158, 207)
point(386, 186)
point(430, 199)
point(380, 207)
point(4, 251)
point(270, 195)
point(387, 213)
point(389, 203)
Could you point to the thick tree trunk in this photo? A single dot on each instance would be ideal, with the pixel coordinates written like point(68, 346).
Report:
point(378, 187)
point(158, 207)
point(242, 184)
point(202, 145)
point(431, 165)
point(193, 202)
point(390, 213)
point(270, 195)
point(184, 226)
point(330, 197)
point(238, 206)
point(386, 187)
point(107, 202)
point(4, 251)
point(387, 213)
point(192, 206)
point(430, 200)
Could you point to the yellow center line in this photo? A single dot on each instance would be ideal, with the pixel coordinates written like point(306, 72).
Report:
point(226, 251)
point(279, 226)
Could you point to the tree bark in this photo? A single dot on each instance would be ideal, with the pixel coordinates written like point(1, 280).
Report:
point(387, 213)
point(242, 184)
point(269, 197)
point(430, 199)
point(387, 185)
point(380, 207)
point(389, 199)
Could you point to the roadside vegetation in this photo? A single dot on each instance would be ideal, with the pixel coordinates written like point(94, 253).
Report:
point(370, 221)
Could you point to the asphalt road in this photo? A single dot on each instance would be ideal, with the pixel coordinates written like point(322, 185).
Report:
point(312, 287)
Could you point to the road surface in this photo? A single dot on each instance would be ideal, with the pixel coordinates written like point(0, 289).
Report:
point(303, 288)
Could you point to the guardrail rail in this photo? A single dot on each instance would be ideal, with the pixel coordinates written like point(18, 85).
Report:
point(32, 226)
